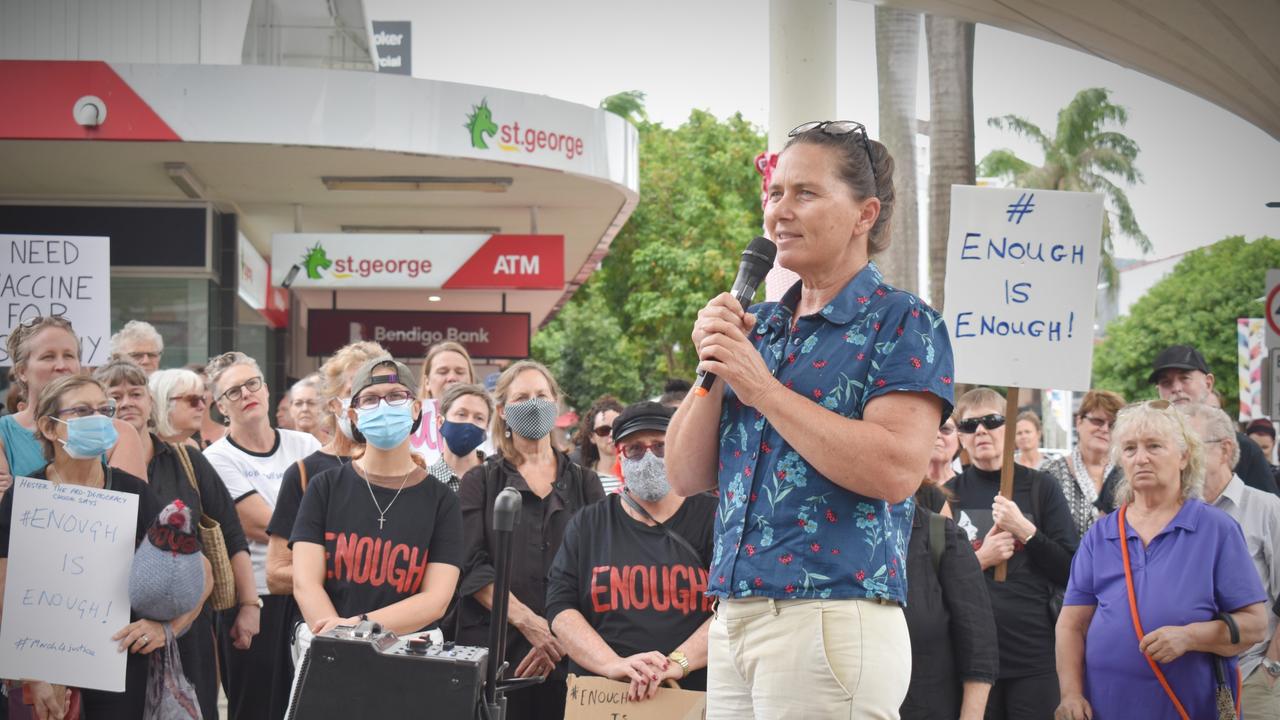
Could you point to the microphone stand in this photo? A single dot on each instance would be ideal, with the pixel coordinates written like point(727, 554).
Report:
point(506, 513)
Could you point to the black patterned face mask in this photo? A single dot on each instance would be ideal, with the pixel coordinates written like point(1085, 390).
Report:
point(532, 419)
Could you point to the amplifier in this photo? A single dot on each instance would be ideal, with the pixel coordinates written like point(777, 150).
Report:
point(362, 672)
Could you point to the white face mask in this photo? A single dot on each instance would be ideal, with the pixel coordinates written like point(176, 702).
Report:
point(344, 422)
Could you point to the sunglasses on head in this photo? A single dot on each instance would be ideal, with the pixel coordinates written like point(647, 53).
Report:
point(990, 422)
point(839, 128)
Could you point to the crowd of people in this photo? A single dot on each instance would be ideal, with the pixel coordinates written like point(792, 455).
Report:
point(754, 542)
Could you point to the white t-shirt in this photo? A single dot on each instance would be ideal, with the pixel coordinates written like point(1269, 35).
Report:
point(246, 473)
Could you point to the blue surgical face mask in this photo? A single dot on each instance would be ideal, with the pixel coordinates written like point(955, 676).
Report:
point(88, 437)
point(385, 426)
point(461, 437)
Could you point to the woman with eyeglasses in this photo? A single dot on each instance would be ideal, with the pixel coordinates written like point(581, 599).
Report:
point(181, 405)
point(43, 349)
point(552, 488)
point(1034, 534)
point(595, 444)
point(1164, 593)
point(73, 417)
point(201, 490)
point(1088, 476)
point(251, 459)
point(816, 432)
point(385, 501)
point(307, 408)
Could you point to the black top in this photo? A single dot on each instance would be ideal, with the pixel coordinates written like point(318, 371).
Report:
point(1253, 467)
point(367, 567)
point(931, 497)
point(169, 480)
point(635, 585)
point(1036, 570)
point(953, 631)
point(535, 540)
point(290, 496)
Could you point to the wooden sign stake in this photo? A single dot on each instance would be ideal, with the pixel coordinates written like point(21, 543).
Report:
point(1006, 463)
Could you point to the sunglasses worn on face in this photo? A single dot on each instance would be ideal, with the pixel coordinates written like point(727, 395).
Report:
point(635, 451)
point(193, 400)
point(1099, 423)
point(990, 422)
point(838, 128)
point(603, 430)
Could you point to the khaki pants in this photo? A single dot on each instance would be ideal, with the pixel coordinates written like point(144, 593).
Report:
point(1260, 700)
point(812, 659)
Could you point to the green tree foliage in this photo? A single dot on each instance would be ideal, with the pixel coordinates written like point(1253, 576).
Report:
point(699, 206)
point(1197, 304)
point(1079, 156)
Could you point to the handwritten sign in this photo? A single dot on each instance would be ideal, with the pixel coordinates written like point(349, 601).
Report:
point(67, 586)
point(1022, 279)
point(597, 698)
point(57, 275)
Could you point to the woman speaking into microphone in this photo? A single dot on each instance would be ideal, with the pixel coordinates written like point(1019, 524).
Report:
point(818, 432)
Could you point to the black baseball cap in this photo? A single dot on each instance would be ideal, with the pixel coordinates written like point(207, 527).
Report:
point(1178, 357)
point(647, 415)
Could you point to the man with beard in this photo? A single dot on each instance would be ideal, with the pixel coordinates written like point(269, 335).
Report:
point(626, 591)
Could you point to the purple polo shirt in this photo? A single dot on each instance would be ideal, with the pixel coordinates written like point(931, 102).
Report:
point(1194, 568)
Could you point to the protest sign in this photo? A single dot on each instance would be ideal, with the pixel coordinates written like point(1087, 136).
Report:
point(57, 275)
point(1022, 280)
point(67, 584)
point(597, 698)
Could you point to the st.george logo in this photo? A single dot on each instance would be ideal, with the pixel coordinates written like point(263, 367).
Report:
point(480, 124)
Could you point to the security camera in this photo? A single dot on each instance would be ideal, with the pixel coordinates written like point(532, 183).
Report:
point(90, 111)
point(290, 276)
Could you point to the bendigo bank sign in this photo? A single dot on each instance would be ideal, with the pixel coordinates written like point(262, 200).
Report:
point(409, 334)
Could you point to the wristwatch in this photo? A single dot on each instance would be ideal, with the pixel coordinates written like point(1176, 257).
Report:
point(257, 602)
point(679, 658)
point(1271, 666)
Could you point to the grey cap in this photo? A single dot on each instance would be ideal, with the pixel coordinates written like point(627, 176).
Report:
point(383, 370)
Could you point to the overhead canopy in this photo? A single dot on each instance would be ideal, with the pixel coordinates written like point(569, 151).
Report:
point(1225, 51)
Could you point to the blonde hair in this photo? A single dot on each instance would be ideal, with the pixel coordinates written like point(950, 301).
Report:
point(432, 352)
point(501, 434)
point(123, 371)
point(165, 386)
point(18, 343)
point(333, 373)
point(1159, 418)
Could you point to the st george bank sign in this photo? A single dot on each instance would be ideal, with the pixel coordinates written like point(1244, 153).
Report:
point(472, 262)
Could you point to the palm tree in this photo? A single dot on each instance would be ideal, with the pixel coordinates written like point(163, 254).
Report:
point(629, 104)
point(951, 153)
point(1079, 156)
point(897, 52)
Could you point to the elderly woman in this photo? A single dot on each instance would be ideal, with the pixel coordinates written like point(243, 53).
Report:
point(181, 405)
point(933, 494)
point(43, 349)
point(553, 488)
point(73, 419)
point(818, 429)
point(306, 406)
point(1026, 438)
point(202, 491)
point(595, 446)
point(1088, 476)
point(464, 415)
point(1162, 589)
point(1032, 532)
point(139, 342)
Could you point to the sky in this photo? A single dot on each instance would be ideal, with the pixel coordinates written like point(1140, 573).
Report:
point(1207, 172)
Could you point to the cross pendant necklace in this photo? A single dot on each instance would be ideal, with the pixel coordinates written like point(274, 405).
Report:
point(382, 512)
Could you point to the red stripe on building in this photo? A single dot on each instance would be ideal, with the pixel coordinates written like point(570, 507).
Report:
point(39, 97)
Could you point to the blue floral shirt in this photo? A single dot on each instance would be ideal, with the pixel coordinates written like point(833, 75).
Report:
point(782, 529)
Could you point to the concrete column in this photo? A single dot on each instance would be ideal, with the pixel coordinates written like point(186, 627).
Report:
point(802, 82)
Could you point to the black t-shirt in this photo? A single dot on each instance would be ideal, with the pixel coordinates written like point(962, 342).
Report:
point(367, 567)
point(639, 589)
point(1026, 626)
point(290, 495)
point(120, 481)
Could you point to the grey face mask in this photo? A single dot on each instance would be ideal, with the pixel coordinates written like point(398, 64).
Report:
point(532, 419)
point(646, 478)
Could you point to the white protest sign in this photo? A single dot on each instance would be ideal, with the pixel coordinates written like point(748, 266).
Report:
point(597, 698)
point(1022, 278)
point(67, 585)
point(57, 275)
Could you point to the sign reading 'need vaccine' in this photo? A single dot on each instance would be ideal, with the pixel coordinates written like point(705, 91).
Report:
point(1022, 279)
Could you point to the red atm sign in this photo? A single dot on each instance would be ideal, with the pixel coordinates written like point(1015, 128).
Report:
point(409, 334)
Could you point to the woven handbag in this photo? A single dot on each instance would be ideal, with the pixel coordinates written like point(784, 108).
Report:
point(214, 544)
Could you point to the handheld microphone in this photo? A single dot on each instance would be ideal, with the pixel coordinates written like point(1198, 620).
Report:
point(757, 261)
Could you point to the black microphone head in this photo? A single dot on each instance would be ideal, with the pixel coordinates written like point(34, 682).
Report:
point(760, 253)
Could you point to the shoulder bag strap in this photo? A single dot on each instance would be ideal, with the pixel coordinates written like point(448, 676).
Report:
point(302, 475)
point(631, 502)
point(186, 466)
point(937, 538)
point(1137, 622)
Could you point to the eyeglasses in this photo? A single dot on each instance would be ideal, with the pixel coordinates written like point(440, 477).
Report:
point(1099, 423)
point(305, 403)
point(234, 393)
point(604, 431)
point(395, 398)
point(948, 430)
point(193, 400)
point(636, 450)
point(839, 128)
point(82, 411)
point(140, 356)
point(990, 422)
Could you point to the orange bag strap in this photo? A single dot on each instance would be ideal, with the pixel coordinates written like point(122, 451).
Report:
point(1137, 623)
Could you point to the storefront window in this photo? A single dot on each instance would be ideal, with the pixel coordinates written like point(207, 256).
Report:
point(179, 309)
